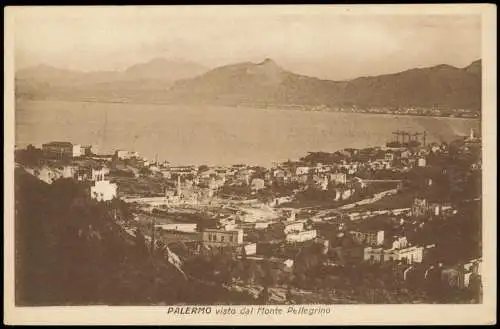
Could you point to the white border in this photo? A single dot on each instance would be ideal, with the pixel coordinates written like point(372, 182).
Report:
point(340, 314)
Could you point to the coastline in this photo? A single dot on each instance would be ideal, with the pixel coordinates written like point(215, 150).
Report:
point(248, 108)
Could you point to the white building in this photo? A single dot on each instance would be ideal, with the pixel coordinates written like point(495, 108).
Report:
point(103, 190)
point(338, 178)
point(250, 249)
point(422, 162)
point(293, 227)
point(302, 171)
point(123, 154)
point(301, 236)
point(62, 150)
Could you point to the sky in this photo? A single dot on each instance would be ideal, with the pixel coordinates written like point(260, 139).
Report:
point(324, 42)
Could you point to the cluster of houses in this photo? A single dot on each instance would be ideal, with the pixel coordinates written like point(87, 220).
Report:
point(100, 189)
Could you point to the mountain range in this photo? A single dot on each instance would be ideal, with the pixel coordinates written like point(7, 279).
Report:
point(156, 76)
point(256, 84)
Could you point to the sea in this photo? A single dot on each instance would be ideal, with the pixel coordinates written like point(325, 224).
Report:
point(218, 135)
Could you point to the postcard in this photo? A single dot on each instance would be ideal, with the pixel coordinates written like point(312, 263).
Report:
point(271, 164)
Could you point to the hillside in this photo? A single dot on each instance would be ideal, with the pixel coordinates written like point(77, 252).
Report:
point(140, 81)
point(266, 82)
point(70, 251)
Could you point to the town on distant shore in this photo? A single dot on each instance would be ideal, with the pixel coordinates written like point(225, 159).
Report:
point(454, 92)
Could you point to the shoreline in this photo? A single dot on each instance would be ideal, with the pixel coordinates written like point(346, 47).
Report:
point(247, 107)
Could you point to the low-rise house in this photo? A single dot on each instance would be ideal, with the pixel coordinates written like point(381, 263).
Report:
point(103, 190)
point(91, 173)
point(220, 238)
point(389, 156)
point(124, 155)
point(371, 238)
point(405, 154)
point(422, 162)
point(250, 249)
point(338, 178)
point(257, 184)
point(408, 255)
point(302, 171)
point(301, 236)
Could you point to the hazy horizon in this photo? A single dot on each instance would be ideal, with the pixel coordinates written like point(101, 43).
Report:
point(323, 44)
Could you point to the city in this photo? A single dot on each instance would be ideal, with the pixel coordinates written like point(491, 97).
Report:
point(397, 223)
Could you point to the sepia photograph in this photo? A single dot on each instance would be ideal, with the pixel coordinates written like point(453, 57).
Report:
point(251, 161)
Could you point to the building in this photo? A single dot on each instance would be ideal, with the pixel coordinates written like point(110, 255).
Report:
point(221, 238)
point(293, 227)
point(123, 155)
point(399, 243)
point(262, 225)
point(250, 249)
point(371, 238)
point(257, 184)
point(301, 236)
point(408, 255)
point(379, 255)
point(422, 162)
point(61, 150)
point(338, 178)
point(302, 171)
point(103, 190)
point(420, 207)
point(92, 173)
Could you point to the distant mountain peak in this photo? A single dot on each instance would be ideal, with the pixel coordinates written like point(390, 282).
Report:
point(268, 61)
point(444, 67)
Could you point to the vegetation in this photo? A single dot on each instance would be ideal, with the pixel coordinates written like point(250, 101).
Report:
point(70, 251)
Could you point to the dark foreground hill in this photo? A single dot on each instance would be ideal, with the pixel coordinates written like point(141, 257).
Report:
point(70, 251)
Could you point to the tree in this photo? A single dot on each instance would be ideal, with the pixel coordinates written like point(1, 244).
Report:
point(203, 168)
